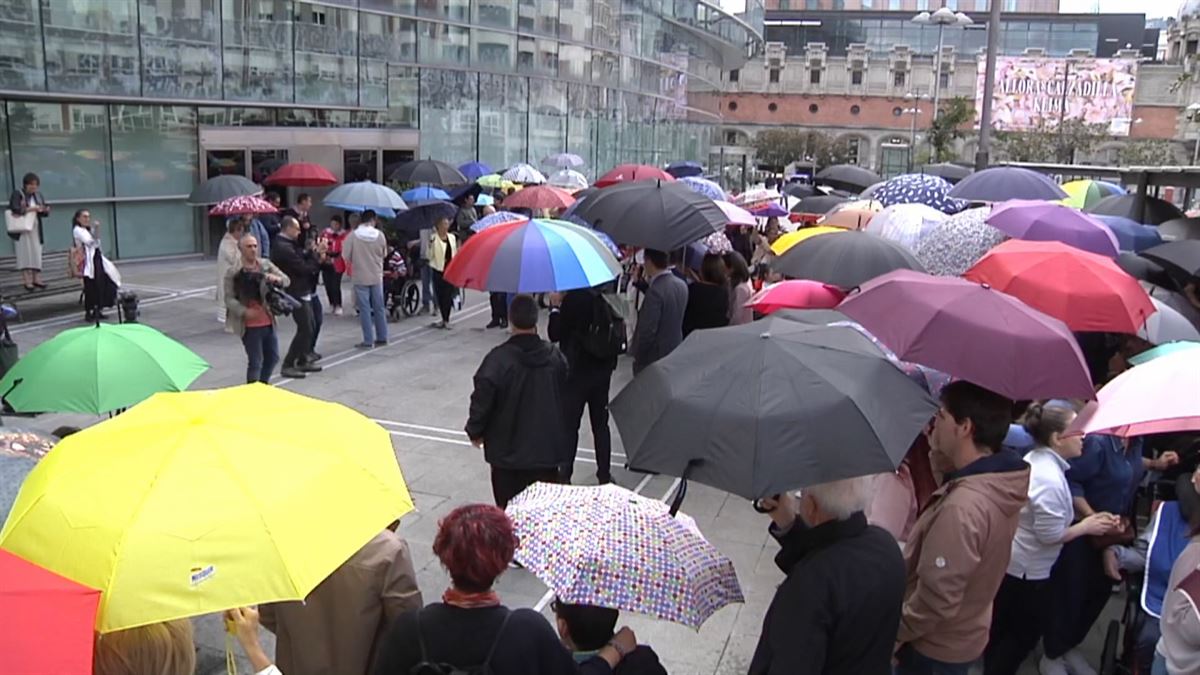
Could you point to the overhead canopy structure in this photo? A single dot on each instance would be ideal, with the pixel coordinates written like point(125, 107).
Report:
point(1139, 178)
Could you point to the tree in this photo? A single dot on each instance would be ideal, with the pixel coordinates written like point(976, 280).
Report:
point(947, 128)
point(1046, 142)
point(776, 148)
point(1149, 152)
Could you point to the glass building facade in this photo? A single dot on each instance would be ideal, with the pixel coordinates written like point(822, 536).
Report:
point(109, 100)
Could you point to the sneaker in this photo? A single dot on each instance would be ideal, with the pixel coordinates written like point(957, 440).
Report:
point(364, 345)
point(1052, 667)
point(1077, 664)
point(381, 343)
point(309, 368)
point(504, 323)
point(437, 324)
point(314, 357)
point(494, 323)
point(337, 311)
point(293, 373)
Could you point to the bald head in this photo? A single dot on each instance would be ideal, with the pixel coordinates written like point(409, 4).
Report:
point(248, 245)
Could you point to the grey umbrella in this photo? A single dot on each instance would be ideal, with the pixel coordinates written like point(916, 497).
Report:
point(948, 170)
point(1152, 212)
point(844, 259)
point(847, 177)
point(769, 406)
point(428, 172)
point(218, 189)
point(1180, 228)
point(651, 214)
point(1002, 183)
point(819, 204)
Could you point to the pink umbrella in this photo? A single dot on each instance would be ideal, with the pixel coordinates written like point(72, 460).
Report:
point(734, 214)
point(239, 206)
point(795, 294)
point(1157, 397)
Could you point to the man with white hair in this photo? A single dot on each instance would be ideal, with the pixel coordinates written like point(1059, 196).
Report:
point(839, 608)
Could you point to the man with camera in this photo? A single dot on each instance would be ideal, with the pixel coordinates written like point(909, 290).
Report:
point(301, 264)
point(249, 314)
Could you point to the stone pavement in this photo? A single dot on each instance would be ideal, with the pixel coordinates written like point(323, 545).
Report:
point(417, 388)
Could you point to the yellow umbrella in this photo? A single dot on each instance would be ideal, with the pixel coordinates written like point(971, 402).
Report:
point(196, 502)
point(783, 243)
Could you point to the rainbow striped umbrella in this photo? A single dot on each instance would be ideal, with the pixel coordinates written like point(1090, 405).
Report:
point(533, 256)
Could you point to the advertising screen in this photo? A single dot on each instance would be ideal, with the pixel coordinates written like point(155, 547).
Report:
point(1029, 91)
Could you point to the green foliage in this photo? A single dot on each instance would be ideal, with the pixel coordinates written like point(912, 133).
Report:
point(776, 148)
point(1046, 142)
point(947, 127)
point(1148, 152)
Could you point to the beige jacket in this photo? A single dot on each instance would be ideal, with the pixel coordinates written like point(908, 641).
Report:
point(956, 557)
point(364, 251)
point(336, 630)
point(236, 311)
point(437, 250)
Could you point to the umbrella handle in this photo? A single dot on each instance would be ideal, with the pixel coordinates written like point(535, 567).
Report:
point(680, 493)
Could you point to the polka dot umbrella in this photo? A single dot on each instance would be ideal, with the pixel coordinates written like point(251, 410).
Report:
point(918, 188)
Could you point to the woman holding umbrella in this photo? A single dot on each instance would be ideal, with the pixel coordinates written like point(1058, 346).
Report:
point(442, 247)
point(100, 277)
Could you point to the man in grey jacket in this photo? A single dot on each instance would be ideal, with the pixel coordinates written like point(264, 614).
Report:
point(660, 320)
point(364, 252)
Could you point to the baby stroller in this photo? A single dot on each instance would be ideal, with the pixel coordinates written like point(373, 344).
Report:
point(401, 284)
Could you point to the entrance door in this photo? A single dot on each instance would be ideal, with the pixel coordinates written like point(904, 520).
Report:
point(893, 159)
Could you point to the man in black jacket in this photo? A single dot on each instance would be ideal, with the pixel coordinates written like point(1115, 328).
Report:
point(838, 611)
point(301, 266)
point(586, 629)
point(516, 407)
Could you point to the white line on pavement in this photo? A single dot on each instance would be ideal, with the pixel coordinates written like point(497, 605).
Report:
point(458, 432)
point(73, 318)
point(409, 434)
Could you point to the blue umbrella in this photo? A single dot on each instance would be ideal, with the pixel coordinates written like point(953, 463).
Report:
point(685, 168)
point(417, 195)
point(1131, 235)
point(381, 211)
point(705, 187)
point(918, 188)
point(474, 170)
point(497, 218)
point(1002, 183)
point(602, 236)
point(485, 200)
point(365, 195)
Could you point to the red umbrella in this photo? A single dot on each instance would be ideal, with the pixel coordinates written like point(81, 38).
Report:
point(301, 174)
point(539, 197)
point(796, 294)
point(622, 173)
point(48, 620)
point(1088, 292)
point(240, 206)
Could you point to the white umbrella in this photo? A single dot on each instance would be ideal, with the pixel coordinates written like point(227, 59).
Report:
point(905, 224)
point(567, 180)
point(523, 173)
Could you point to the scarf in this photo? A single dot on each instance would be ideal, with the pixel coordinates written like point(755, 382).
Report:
point(465, 600)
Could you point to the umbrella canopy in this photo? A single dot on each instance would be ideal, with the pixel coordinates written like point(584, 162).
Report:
point(1002, 183)
point(767, 210)
point(685, 169)
point(428, 172)
point(568, 180)
point(1049, 221)
point(1167, 325)
point(485, 200)
point(1082, 194)
point(241, 206)
point(905, 224)
point(473, 171)
point(197, 502)
point(652, 214)
point(716, 243)
point(705, 187)
point(1180, 228)
point(1181, 258)
point(917, 188)
point(98, 369)
point(424, 194)
point(789, 239)
point(855, 215)
point(539, 197)
point(301, 174)
point(495, 181)
point(801, 190)
point(220, 188)
point(735, 215)
point(1175, 300)
point(796, 294)
point(819, 204)
point(952, 246)
point(1152, 398)
point(972, 332)
point(424, 215)
point(951, 172)
point(533, 256)
point(497, 218)
point(1131, 235)
point(47, 620)
point(524, 174)
point(845, 259)
point(1161, 351)
point(624, 173)
point(847, 177)
point(678, 575)
point(365, 195)
point(1086, 291)
point(1152, 212)
point(1144, 269)
point(792, 398)
point(563, 160)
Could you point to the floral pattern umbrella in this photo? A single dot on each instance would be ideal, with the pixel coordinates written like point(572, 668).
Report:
point(606, 546)
point(718, 243)
point(705, 187)
point(240, 206)
point(952, 247)
point(919, 188)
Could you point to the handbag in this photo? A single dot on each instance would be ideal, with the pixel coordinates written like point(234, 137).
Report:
point(75, 262)
point(20, 224)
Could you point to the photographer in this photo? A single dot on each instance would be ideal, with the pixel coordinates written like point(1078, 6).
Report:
point(247, 287)
point(301, 265)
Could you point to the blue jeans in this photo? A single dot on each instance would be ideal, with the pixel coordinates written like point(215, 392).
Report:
point(912, 662)
point(426, 285)
point(318, 313)
point(369, 300)
point(262, 351)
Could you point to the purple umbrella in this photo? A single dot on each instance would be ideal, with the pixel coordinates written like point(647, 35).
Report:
point(1002, 183)
point(972, 332)
point(1046, 221)
point(768, 210)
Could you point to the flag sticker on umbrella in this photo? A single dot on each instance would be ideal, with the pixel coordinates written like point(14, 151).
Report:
point(202, 574)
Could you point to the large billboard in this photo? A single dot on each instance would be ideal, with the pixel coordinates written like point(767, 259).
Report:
point(1030, 91)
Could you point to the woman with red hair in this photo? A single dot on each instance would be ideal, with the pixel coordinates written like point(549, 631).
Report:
point(469, 628)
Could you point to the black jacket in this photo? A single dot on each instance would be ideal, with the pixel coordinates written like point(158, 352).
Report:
point(570, 323)
point(641, 661)
point(838, 611)
point(707, 307)
point(516, 405)
point(300, 264)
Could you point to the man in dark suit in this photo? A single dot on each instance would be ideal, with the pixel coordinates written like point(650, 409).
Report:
point(660, 320)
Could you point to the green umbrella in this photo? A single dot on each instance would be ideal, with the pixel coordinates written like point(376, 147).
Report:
point(98, 369)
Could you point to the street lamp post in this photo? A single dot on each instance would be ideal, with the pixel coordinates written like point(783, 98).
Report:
point(1192, 113)
point(941, 18)
point(912, 131)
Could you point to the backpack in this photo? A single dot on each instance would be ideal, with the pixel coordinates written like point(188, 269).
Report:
point(426, 667)
point(605, 337)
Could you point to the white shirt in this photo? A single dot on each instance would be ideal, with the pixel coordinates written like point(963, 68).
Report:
point(1045, 517)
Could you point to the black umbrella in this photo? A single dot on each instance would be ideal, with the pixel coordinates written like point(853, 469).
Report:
point(1129, 206)
point(818, 204)
point(770, 406)
point(428, 172)
point(1001, 183)
point(472, 189)
point(220, 188)
point(847, 177)
point(267, 167)
point(652, 214)
point(423, 215)
point(800, 190)
point(1144, 270)
point(1181, 259)
point(845, 259)
point(1180, 228)
point(948, 170)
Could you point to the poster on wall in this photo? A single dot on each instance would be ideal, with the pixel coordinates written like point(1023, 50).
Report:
point(1032, 91)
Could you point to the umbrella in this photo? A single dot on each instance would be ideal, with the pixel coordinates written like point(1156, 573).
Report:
point(267, 167)
point(196, 502)
point(800, 190)
point(497, 218)
point(951, 247)
point(1084, 193)
point(1049, 221)
point(1146, 270)
point(1002, 183)
point(685, 169)
point(220, 188)
point(916, 188)
point(533, 256)
point(1175, 300)
point(563, 160)
point(716, 243)
point(677, 575)
point(98, 369)
point(769, 406)
point(1152, 398)
point(301, 174)
point(796, 294)
point(971, 332)
point(423, 195)
point(424, 215)
point(1167, 325)
point(485, 200)
point(1086, 291)
point(495, 181)
point(755, 196)
point(1180, 228)
point(951, 172)
point(365, 195)
point(568, 180)
point(735, 215)
point(47, 620)
point(604, 238)
point(240, 206)
point(652, 214)
point(1181, 258)
point(381, 211)
point(869, 191)
point(1131, 235)
point(1152, 212)
point(905, 224)
point(429, 172)
point(790, 239)
point(1161, 351)
point(625, 173)
point(819, 204)
point(847, 177)
point(768, 210)
point(705, 187)
point(845, 259)
point(473, 171)
point(524, 174)
point(539, 197)
point(855, 215)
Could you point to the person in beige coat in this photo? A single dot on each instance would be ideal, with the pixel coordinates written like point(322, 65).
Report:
point(336, 629)
point(228, 257)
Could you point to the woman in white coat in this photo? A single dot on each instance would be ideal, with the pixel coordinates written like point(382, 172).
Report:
point(228, 257)
point(100, 276)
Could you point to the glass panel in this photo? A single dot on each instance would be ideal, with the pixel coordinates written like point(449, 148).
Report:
point(383, 39)
point(156, 228)
point(91, 47)
point(392, 159)
point(537, 55)
point(631, 28)
point(456, 10)
point(397, 6)
point(503, 108)
point(57, 226)
point(498, 13)
point(154, 149)
point(403, 94)
point(181, 53)
point(540, 16)
point(6, 179)
point(574, 62)
point(440, 43)
point(264, 162)
point(582, 103)
point(257, 40)
point(236, 117)
point(547, 118)
point(225, 162)
point(448, 114)
point(358, 165)
point(575, 20)
point(21, 47)
point(606, 68)
point(326, 46)
point(605, 32)
point(493, 50)
point(608, 131)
